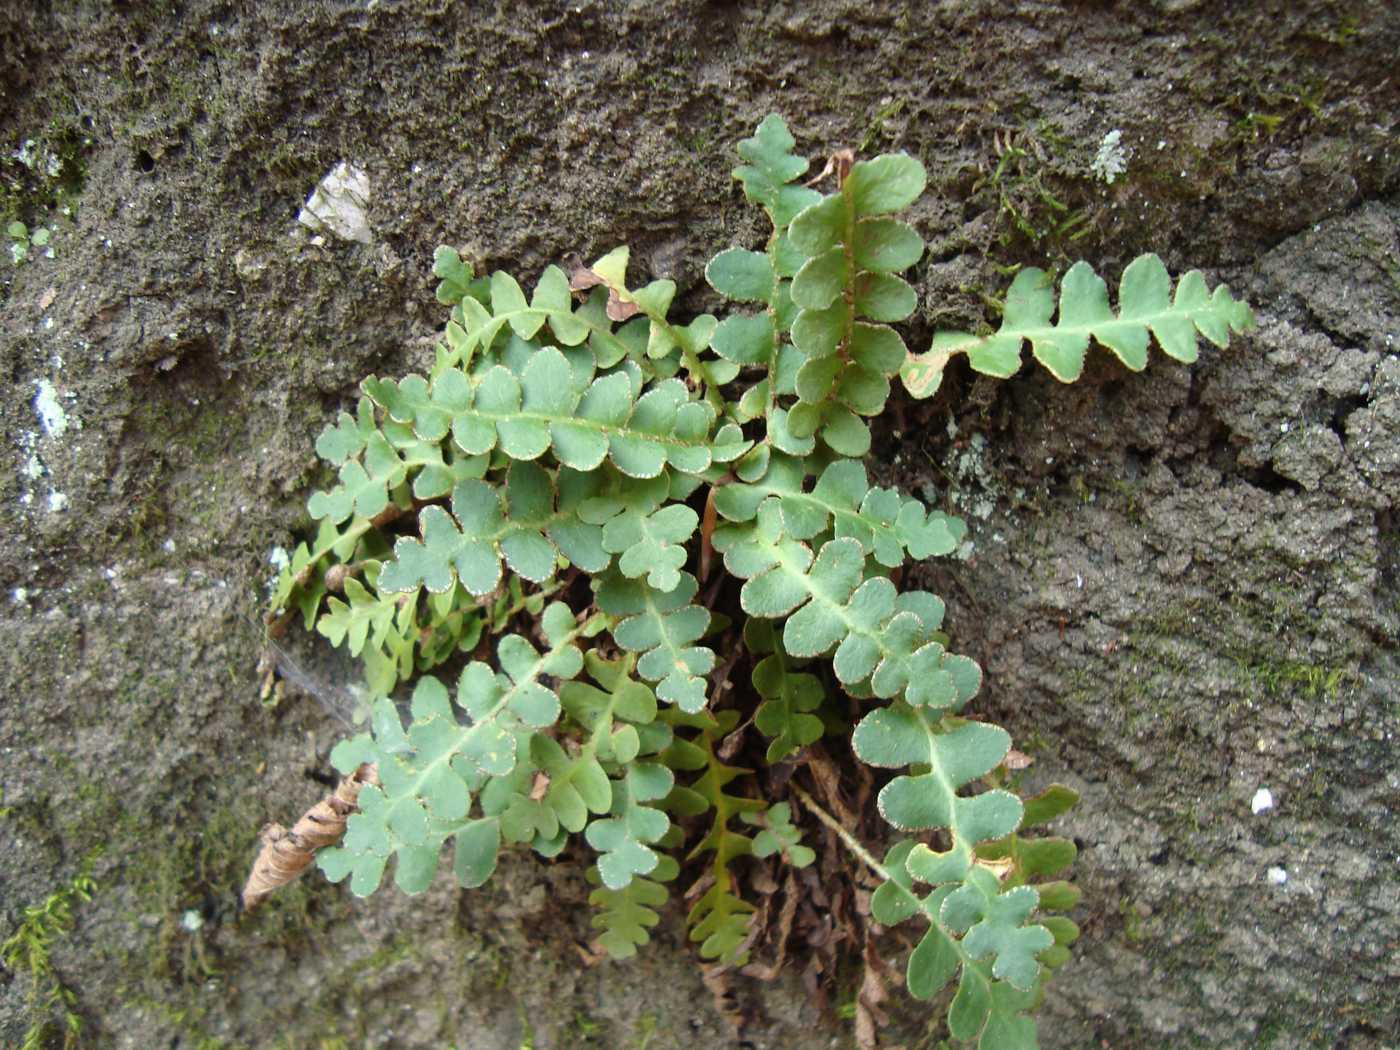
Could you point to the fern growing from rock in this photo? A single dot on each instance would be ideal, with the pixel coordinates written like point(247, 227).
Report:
point(533, 536)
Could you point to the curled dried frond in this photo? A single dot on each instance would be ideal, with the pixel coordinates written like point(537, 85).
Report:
point(286, 854)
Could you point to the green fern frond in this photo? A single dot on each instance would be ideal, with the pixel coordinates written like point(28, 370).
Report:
point(626, 916)
point(884, 643)
point(720, 919)
point(887, 525)
point(527, 524)
point(1022, 860)
point(429, 773)
point(771, 170)
point(661, 626)
point(1146, 309)
point(779, 836)
point(844, 291)
point(578, 437)
point(789, 697)
point(986, 1008)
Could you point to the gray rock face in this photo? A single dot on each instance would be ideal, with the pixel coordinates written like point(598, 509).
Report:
point(1182, 584)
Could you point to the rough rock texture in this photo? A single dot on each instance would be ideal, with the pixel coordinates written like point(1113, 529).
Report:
point(1183, 586)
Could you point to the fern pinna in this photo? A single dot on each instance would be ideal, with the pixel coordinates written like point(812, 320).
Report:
point(535, 535)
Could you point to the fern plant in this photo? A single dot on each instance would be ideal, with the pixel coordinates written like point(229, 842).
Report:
point(536, 536)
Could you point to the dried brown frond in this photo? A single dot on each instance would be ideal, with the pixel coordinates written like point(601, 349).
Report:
point(286, 854)
point(718, 979)
point(778, 936)
point(870, 1017)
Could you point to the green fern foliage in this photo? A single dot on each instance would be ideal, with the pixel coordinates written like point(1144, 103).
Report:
point(635, 576)
point(1147, 309)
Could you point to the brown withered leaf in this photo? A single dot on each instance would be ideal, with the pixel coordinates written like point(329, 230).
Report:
point(286, 854)
point(1015, 760)
point(700, 887)
point(761, 881)
point(815, 889)
point(581, 278)
point(828, 780)
point(540, 787)
point(770, 971)
point(592, 955)
point(813, 985)
point(729, 746)
point(718, 980)
point(707, 528)
point(873, 993)
point(617, 310)
point(838, 163)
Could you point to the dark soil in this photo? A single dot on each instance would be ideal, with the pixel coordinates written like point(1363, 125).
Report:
point(1184, 585)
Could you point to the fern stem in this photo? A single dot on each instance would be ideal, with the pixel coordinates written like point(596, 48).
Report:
point(979, 971)
point(847, 839)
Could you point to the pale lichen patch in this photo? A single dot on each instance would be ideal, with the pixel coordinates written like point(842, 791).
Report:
point(49, 409)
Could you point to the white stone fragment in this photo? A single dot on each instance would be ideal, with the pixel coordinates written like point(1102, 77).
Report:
point(338, 204)
point(1263, 799)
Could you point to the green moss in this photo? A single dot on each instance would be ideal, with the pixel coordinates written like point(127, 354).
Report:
point(186, 1019)
point(644, 1031)
point(588, 1028)
point(878, 130)
point(527, 1038)
point(1313, 680)
point(42, 174)
point(50, 1003)
point(1133, 928)
point(1029, 189)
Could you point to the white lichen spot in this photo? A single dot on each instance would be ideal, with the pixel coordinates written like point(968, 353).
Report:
point(280, 561)
point(1112, 157)
point(58, 501)
point(51, 415)
point(33, 468)
point(1263, 800)
point(1277, 876)
point(192, 921)
point(20, 595)
point(168, 546)
point(337, 205)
